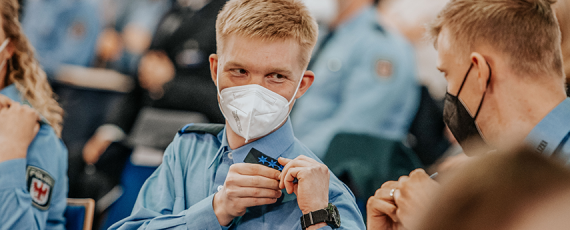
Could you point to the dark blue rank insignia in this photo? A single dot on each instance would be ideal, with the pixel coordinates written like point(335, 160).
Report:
point(40, 186)
point(256, 157)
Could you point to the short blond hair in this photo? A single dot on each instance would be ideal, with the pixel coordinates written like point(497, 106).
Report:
point(269, 20)
point(526, 31)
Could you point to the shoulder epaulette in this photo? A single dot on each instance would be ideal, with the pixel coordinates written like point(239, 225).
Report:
point(203, 128)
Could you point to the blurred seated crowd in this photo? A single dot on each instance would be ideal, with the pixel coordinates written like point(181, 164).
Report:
point(129, 75)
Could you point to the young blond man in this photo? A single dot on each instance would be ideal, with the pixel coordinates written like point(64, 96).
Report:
point(503, 65)
point(264, 48)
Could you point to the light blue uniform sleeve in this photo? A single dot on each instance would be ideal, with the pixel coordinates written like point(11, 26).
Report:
point(367, 102)
point(16, 209)
point(162, 193)
point(62, 32)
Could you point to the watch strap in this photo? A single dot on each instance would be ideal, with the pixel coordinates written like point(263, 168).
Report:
point(313, 218)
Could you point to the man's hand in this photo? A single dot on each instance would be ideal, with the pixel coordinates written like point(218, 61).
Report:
point(246, 185)
point(18, 127)
point(312, 187)
point(381, 210)
point(413, 196)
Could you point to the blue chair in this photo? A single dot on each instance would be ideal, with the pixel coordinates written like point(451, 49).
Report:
point(79, 214)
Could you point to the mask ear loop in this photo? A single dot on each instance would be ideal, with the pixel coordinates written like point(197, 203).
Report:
point(295, 94)
point(218, 82)
point(297, 89)
point(487, 86)
point(464, 80)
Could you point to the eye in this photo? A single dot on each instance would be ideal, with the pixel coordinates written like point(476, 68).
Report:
point(238, 72)
point(276, 76)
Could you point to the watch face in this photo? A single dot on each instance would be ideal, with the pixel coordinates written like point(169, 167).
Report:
point(334, 216)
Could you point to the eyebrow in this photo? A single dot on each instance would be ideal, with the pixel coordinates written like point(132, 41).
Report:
point(281, 70)
point(272, 70)
point(233, 63)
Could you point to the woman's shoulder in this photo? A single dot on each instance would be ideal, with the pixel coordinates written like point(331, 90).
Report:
point(47, 151)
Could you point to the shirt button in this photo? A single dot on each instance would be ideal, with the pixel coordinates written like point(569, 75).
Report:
point(231, 156)
point(220, 187)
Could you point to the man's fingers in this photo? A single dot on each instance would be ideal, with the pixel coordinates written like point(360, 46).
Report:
point(253, 181)
point(251, 202)
point(300, 161)
point(245, 192)
point(289, 178)
point(403, 179)
point(255, 170)
point(418, 173)
point(36, 128)
point(284, 161)
point(378, 207)
point(5, 102)
point(384, 194)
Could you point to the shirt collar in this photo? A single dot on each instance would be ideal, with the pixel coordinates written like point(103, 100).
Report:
point(273, 144)
point(12, 92)
point(551, 130)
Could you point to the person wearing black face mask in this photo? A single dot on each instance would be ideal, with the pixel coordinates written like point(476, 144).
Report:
point(513, 94)
point(462, 125)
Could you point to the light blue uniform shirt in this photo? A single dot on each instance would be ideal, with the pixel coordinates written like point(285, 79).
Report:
point(365, 82)
point(179, 194)
point(62, 32)
point(47, 153)
point(550, 136)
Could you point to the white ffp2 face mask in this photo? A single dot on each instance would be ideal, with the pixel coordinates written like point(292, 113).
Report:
point(252, 111)
point(2, 47)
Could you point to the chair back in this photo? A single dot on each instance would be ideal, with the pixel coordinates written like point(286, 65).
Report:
point(365, 162)
point(79, 214)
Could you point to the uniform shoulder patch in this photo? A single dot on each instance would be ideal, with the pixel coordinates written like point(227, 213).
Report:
point(384, 68)
point(40, 186)
point(203, 128)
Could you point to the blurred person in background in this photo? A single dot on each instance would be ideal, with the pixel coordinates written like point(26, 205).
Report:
point(427, 135)
point(516, 189)
point(368, 82)
point(410, 17)
point(33, 159)
point(174, 88)
point(64, 34)
point(128, 29)
point(562, 9)
point(506, 87)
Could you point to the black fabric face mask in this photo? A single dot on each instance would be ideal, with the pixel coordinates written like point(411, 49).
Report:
point(460, 123)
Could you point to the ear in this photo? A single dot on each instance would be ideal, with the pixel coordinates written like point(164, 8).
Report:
point(306, 82)
point(214, 67)
point(482, 68)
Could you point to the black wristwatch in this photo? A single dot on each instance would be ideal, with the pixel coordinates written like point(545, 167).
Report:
point(328, 215)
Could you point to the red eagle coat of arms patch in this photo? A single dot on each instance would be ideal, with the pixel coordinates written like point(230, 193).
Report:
point(40, 186)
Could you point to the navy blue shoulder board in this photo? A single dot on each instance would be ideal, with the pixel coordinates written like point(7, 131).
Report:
point(202, 128)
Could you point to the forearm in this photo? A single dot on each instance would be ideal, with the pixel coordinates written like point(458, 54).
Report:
point(199, 216)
